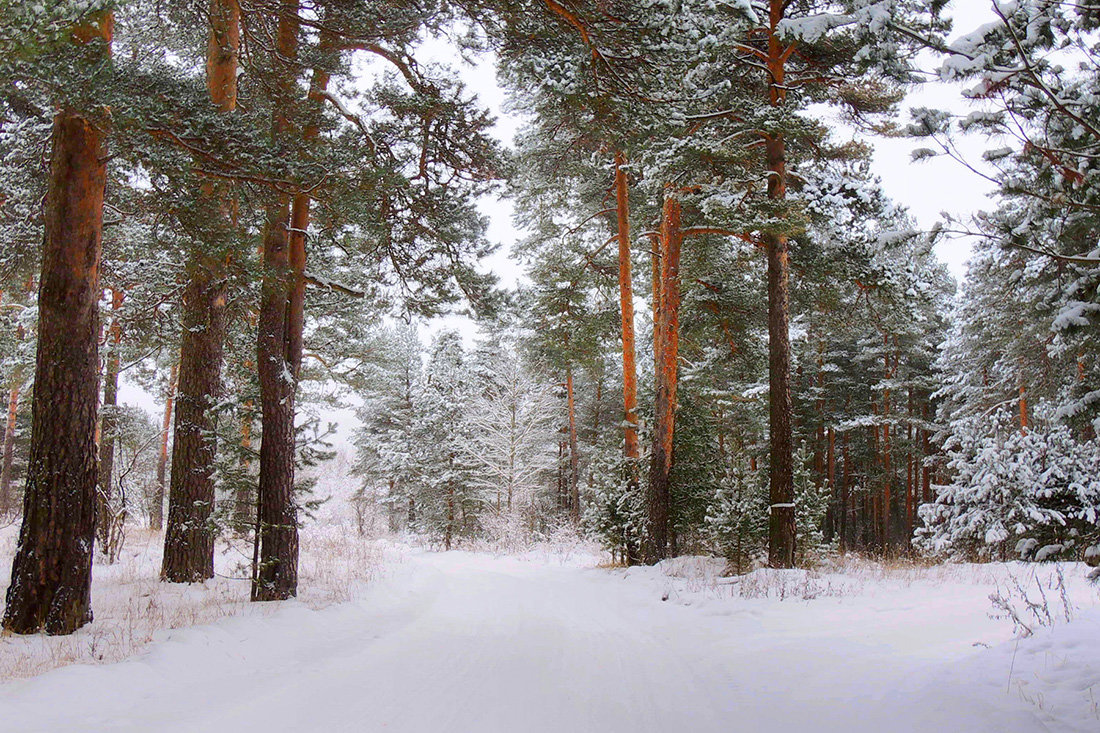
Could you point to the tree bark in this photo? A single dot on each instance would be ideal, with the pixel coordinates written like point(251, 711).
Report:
point(108, 423)
point(277, 574)
point(844, 497)
point(887, 457)
point(189, 537)
point(667, 342)
point(574, 457)
point(781, 527)
point(631, 449)
point(52, 571)
point(281, 329)
point(1023, 410)
point(156, 513)
point(9, 451)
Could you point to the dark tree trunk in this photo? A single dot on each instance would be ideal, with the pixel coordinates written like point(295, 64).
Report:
point(666, 344)
point(108, 426)
point(277, 574)
point(280, 344)
point(844, 498)
point(781, 525)
point(52, 570)
point(189, 536)
point(781, 528)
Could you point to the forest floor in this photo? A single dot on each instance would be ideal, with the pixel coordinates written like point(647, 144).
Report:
point(474, 642)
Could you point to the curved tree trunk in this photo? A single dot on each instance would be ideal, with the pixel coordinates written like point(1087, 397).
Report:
point(52, 571)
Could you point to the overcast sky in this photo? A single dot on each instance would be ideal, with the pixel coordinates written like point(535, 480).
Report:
point(927, 188)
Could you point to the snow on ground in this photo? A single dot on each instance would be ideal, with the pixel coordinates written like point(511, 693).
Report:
point(132, 608)
point(472, 642)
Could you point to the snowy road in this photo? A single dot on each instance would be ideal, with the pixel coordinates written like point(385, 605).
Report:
point(468, 643)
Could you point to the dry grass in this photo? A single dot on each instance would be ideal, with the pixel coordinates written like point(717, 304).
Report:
point(132, 607)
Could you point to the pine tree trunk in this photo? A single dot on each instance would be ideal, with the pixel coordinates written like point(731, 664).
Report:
point(830, 476)
point(574, 458)
point(108, 426)
point(845, 501)
point(1023, 410)
point(156, 513)
point(280, 348)
point(667, 342)
point(244, 506)
point(189, 536)
point(277, 574)
point(631, 449)
point(9, 452)
point(781, 525)
point(52, 571)
point(887, 457)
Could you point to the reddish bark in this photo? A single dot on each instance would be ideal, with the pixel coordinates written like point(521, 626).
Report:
point(279, 355)
point(781, 525)
point(156, 511)
point(189, 536)
point(666, 347)
point(52, 570)
point(108, 422)
point(626, 310)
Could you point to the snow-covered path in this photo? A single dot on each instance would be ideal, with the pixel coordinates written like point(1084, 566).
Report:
point(470, 643)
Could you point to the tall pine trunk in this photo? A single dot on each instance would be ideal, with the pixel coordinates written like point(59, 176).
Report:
point(52, 571)
point(189, 537)
point(280, 346)
point(666, 346)
point(276, 574)
point(781, 525)
point(276, 577)
point(626, 311)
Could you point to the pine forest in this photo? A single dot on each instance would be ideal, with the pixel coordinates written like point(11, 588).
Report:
point(550, 365)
